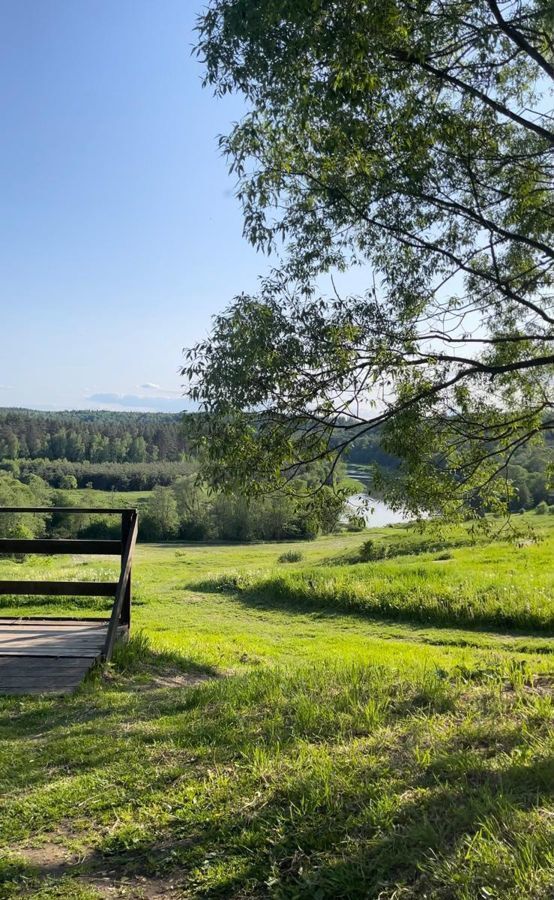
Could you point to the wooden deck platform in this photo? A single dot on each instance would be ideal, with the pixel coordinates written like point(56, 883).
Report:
point(48, 655)
point(53, 655)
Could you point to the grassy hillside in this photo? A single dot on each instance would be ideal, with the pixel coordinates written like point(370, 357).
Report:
point(294, 730)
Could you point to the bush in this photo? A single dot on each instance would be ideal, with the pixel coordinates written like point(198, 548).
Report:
point(370, 551)
point(542, 508)
point(291, 556)
point(355, 523)
point(68, 482)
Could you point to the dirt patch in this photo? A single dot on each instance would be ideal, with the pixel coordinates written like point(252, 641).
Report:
point(53, 861)
point(157, 681)
point(181, 680)
point(152, 679)
point(544, 684)
point(134, 888)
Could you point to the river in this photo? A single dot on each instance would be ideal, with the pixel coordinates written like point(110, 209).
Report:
point(375, 512)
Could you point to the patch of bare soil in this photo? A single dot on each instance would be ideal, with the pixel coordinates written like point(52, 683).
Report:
point(52, 861)
point(177, 680)
point(49, 858)
point(155, 679)
point(544, 684)
point(136, 887)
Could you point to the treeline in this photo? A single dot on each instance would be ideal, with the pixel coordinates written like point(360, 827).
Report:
point(95, 436)
point(530, 469)
point(108, 476)
point(367, 451)
point(127, 451)
point(532, 475)
point(187, 512)
point(184, 511)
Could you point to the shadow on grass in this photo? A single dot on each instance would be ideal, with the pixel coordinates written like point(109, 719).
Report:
point(308, 822)
point(136, 667)
point(301, 593)
point(137, 657)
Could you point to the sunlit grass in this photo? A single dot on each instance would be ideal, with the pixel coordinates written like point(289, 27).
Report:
point(271, 733)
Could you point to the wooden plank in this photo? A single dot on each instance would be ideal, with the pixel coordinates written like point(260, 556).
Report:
point(50, 620)
point(52, 628)
point(40, 680)
point(52, 665)
point(59, 588)
point(52, 640)
point(126, 562)
point(65, 639)
point(27, 626)
point(43, 648)
point(127, 521)
point(8, 632)
point(58, 653)
point(53, 547)
point(69, 640)
point(24, 676)
point(70, 510)
point(34, 690)
point(32, 665)
point(15, 676)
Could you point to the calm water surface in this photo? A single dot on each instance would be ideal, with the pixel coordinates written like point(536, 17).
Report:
point(375, 512)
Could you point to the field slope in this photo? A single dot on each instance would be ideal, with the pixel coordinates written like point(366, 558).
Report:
point(325, 728)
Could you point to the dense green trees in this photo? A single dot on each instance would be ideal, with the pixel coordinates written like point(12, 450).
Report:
point(95, 437)
point(101, 476)
point(414, 140)
point(204, 515)
point(184, 511)
point(160, 520)
point(181, 507)
point(14, 493)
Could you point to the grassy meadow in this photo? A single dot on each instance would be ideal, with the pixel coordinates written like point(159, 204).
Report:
point(320, 728)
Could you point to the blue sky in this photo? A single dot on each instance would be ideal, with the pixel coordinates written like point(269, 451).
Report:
point(119, 232)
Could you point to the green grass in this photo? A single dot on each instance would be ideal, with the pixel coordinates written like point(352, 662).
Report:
point(92, 497)
point(313, 729)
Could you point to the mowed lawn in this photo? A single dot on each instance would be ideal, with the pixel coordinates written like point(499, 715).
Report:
point(325, 728)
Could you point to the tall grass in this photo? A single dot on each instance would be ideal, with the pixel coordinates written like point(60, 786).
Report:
point(500, 586)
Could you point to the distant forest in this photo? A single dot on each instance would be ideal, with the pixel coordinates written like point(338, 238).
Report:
point(96, 437)
point(135, 451)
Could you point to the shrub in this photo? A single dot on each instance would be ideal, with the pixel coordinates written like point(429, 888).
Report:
point(291, 556)
point(371, 550)
point(542, 508)
point(355, 523)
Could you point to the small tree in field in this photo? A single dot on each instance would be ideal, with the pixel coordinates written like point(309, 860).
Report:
point(414, 140)
point(161, 520)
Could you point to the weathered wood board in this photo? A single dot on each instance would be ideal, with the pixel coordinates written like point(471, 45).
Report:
point(48, 655)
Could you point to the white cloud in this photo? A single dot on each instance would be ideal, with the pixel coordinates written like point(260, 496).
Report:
point(138, 402)
point(159, 390)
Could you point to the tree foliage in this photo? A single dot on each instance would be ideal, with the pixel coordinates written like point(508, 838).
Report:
point(95, 436)
point(413, 139)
